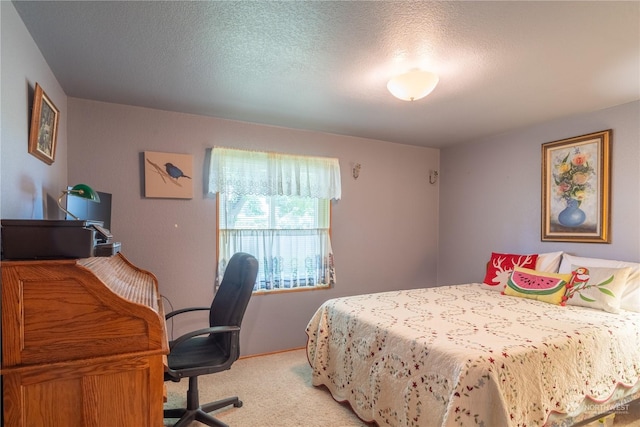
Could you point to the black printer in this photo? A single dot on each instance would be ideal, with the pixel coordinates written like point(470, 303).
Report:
point(55, 239)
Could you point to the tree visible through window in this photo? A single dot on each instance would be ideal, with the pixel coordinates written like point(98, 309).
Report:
point(289, 235)
point(277, 208)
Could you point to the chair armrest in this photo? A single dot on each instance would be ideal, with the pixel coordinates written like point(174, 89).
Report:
point(203, 331)
point(184, 310)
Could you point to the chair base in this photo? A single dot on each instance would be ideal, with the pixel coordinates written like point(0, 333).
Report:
point(196, 412)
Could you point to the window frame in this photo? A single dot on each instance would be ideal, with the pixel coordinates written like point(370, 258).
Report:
point(280, 290)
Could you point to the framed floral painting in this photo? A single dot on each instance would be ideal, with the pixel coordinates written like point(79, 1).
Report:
point(43, 131)
point(576, 179)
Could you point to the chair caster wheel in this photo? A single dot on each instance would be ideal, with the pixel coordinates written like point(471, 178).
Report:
point(238, 405)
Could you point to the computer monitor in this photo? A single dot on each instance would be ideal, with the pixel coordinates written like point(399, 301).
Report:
point(89, 210)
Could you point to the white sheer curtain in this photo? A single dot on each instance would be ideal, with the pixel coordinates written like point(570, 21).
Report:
point(292, 246)
point(289, 259)
point(240, 172)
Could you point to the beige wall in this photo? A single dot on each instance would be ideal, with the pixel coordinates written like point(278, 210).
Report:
point(490, 194)
point(391, 230)
point(384, 227)
point(30, 187)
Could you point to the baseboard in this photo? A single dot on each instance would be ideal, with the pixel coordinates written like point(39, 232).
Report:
point(250, 356)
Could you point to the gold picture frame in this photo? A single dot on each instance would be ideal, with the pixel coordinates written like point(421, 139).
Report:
point(576, 188)
point(43, 133)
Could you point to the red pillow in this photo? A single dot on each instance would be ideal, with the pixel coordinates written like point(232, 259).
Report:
point(500, 267)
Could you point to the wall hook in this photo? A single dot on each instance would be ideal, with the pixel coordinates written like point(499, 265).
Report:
point(433, 177)
point(356, 170)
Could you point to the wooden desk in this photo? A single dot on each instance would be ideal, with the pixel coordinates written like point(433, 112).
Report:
point(83, 343)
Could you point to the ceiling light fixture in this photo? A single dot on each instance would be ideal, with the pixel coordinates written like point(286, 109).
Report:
point(414, 85)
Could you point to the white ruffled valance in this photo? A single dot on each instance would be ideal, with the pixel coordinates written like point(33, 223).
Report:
point(239, 172)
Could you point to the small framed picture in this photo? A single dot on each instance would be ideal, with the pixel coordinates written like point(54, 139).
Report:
point(576, 180)
point(43, 132)
point(168, 175)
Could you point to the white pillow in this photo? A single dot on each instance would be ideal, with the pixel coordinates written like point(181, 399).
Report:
point(630, 295)
point(549, 262)
point(597, 287)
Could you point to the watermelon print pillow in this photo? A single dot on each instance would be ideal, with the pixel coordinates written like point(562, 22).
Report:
point(538, 285)
point(597, 287)
point(500, 267)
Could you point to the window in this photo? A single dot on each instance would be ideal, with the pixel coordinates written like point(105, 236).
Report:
point(276, 207)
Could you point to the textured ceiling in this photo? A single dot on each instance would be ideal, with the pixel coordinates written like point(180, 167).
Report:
point(324, 65)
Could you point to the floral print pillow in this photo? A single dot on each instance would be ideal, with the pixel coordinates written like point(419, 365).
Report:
point(597, 287)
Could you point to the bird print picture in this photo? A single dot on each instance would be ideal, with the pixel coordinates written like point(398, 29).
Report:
point(168, 175)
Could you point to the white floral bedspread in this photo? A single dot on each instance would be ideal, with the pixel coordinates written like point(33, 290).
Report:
point(465, 356)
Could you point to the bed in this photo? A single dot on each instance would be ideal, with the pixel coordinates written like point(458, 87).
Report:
point(467, 355)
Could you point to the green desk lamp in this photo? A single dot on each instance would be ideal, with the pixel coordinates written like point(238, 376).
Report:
point(78, 190)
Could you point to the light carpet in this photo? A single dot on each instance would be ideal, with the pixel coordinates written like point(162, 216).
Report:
point(276, 390)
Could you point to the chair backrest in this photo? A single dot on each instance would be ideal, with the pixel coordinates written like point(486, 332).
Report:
point(232, 297)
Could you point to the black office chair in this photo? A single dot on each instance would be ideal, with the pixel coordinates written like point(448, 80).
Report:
point(215, 348)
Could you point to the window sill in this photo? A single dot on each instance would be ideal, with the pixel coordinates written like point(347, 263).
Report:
point(287, 290)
